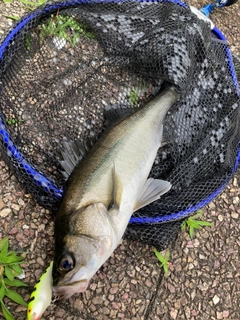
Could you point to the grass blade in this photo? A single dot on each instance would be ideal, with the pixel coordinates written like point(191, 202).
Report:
point(14, 283)
point(14, 296)
point(30, 3)
point(15, 18)
point(2, 291)
point(205, 223)
point(159, 256)
point(193, 223)
point(167, 256)
point(3, 248)
point(9, 273)
point(191, 232)
point(2, 243)
point(6, 312)
point(18, 270)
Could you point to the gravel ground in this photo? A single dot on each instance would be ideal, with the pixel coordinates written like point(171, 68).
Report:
point(204, 277)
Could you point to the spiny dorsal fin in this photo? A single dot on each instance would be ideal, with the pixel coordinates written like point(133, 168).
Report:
point(73, 152)
point(151, 191)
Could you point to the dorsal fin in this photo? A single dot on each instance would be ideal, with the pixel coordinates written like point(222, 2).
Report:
point(73, 152)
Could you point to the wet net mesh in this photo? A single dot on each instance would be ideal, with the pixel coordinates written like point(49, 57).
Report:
point(63, 64)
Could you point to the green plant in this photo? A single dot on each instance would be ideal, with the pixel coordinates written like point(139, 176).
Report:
point(193, 224)
point(163, 259)
point(65, 27)
point(28, 42)
point(133, 97)
point(14, 121)
point(28, 4)
point(33, 4)
point(9, 270)
point(13, 17)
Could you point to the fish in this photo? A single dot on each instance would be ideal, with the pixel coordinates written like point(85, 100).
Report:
point(41, 297)
point(102, 192)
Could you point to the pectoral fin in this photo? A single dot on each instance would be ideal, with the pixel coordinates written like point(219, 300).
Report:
point(151, 191)
point(116, 193)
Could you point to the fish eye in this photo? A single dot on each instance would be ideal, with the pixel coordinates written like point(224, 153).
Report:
point(66, 264)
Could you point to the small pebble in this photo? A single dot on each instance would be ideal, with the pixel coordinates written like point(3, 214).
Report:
point(235, 215)
point(225, 314)
point(216, 299)
point(5, 212)
point(15, 206)
point(13, 230)
point(40, 261)
point(1, 204)
point(173, 314)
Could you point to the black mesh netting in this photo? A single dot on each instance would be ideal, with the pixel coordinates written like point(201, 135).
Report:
point(64, 63)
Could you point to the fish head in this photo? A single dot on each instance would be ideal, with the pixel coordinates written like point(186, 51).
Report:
point(81, 252)
point(74, 267)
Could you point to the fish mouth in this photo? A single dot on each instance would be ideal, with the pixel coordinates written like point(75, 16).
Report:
point(65, 291)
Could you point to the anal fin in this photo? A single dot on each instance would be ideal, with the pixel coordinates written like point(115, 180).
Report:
point(151, 191)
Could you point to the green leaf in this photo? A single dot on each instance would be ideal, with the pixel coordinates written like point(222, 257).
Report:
point(18, 270)
point(2, 243)
point(30, 3)
point(159, 256)
point(191, 232)
point(90, 35)
point(205, 223)
point(2, 291)
point(61, 34)
point(197, 215)
point(6, 312)
point(13, 295)
point(28, 46)
point(163, 260)
point(167, 256)
point(7, 1)
point(67, 38)
point(193, 223)
point(75, 39)
point(4, 246)
point(183, 225)
point(11, 258)
point(15, 18)
point(9, 273)
point(15, 283)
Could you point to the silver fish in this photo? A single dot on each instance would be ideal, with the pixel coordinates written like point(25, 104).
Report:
point(104, 189)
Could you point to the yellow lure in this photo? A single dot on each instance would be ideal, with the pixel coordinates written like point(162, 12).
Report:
point(41, 297)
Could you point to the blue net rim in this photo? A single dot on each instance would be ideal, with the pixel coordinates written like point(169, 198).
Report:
point(47, 184)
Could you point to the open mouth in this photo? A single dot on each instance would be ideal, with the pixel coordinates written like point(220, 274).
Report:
point(63, 292)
